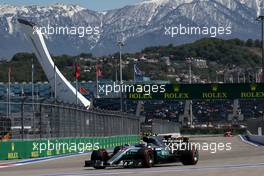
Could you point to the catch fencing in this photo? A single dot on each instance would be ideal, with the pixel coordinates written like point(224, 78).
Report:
point(254, 125)
point(23, 120)
point(159, 126)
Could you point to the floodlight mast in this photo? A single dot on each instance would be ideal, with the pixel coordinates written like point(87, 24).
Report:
point(261, 18)
point(121, 45)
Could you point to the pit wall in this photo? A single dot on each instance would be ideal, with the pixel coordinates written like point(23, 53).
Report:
point(25, 149)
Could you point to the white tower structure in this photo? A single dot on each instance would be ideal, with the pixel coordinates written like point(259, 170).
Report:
point(63, 89)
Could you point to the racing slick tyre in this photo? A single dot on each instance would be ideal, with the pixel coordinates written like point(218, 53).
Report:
point(147, 157)
point(190, 157)
point(99, 158)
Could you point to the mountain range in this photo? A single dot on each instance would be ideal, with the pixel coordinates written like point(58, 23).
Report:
point(138, 26)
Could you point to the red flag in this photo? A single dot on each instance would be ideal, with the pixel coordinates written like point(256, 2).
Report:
point(98, 71)
point(77, 71)
point(83, 90)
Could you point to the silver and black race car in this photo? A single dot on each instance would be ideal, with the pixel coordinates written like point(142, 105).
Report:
point(154, 150)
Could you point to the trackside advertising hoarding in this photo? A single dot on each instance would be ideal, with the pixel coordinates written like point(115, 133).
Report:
point(197, 91)
point(59, 146)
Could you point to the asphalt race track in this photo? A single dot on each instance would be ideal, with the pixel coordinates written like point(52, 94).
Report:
point(242, 160)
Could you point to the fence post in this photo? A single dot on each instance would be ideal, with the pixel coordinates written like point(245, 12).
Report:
point(40, 121)
point(75, 120)
point(22, 119)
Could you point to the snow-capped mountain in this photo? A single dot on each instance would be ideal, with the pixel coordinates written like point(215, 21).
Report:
point(140, 25)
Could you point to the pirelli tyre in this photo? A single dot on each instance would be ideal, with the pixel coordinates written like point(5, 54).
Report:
point(147, 157)
point(190, 157)
point(99, 158)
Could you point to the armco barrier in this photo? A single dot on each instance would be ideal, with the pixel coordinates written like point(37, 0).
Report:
point(48, 147)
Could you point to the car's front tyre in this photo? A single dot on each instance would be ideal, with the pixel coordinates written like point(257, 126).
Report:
point(99, 158)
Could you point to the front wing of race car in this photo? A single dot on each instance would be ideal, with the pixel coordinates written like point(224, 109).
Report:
point(126, 154)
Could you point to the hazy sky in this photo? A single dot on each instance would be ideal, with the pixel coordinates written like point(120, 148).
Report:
point(98, 5)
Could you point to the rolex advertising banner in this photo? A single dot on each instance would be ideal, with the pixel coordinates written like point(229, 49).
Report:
point(197, 91)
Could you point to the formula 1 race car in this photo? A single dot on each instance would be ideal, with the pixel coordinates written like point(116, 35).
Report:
point(155, 150)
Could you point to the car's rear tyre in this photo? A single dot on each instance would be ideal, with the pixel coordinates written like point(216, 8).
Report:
point(147, 157)
point(99, 158)
point(190, 157)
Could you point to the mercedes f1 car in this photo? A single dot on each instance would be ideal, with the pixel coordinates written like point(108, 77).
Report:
point(154, 150)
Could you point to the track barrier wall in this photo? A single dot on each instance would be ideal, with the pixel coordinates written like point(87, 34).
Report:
point(18, 149)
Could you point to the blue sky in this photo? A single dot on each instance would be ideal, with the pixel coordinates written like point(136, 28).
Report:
point(98, 5)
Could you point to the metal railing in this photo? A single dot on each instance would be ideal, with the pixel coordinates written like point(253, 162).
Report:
point(160, 126)
point(40, 120)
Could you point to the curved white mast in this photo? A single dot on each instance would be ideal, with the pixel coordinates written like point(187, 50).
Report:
point(65, 92)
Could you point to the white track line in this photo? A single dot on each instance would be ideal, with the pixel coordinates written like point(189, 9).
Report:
point(248, 142)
